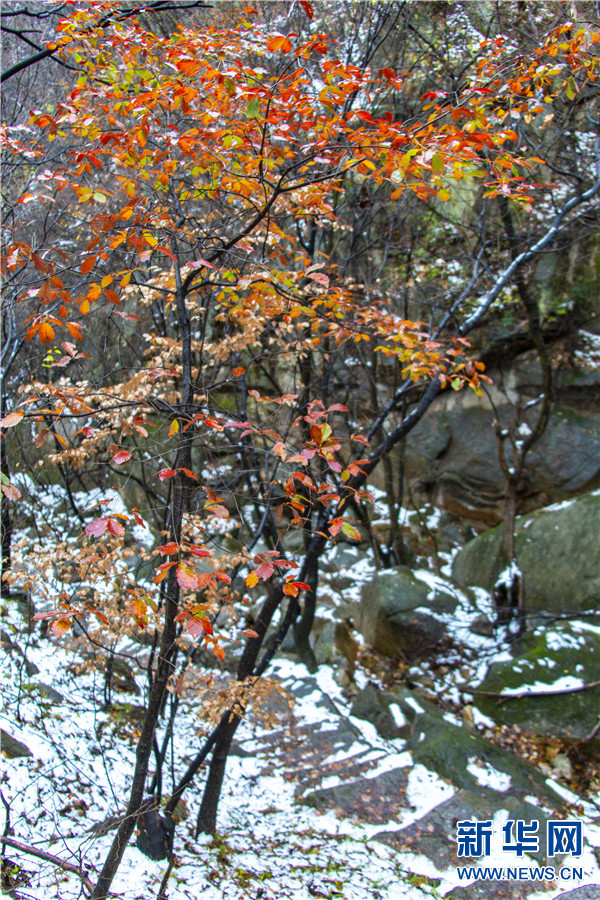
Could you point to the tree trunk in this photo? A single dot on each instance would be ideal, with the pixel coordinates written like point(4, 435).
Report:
point(207, 817)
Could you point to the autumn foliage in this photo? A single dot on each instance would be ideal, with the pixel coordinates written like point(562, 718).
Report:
point(182, 173)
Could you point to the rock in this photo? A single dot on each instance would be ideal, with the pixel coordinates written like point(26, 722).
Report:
point(122, 678)
point(324, 645)
point(495, 890)
point(569, 648)
point(10, 646)
point(11, 747)
point(374, 706)
point(558, 553)
point(375, 800)
point(482, 626)
point(588, 892)
point(434, 835)
point(471, 762)
point(401, 615)
point(44, 692)
point(451, 457)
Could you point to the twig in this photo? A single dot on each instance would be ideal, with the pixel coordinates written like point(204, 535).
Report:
point(549, 693)
point(49, 857)
point(592, 733)
point(162, 891)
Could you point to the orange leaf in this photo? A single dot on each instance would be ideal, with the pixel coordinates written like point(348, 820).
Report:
point(279, 43)
point(10, 491)
point(74, 330)
point(249, 632)
point(11, 419)
point(115, 528)
point(60, 626)
point(88, 264)
point(46, 333)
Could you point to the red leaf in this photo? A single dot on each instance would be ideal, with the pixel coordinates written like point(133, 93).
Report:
point(307, 7)
point(137, 517)
point(319, 277)
point(264, 571)
point(115, 528)
point(189, 473)
point(201, 264)
point(166, 473)
point(97, 527)
point(121, 456)
point(187, 577)
point(169, 549)
point(198, 551)
point(249, 632)
point(221, 512)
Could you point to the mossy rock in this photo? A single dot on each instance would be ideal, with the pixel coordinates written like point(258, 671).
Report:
point(44, 693)
point(451, 750)
point(568, 649)
point(558, 552)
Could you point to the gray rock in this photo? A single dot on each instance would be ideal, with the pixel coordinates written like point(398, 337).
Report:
point(588, 892)
point(43, 692)
point(324, 645)
point(482, 626)
point(375, 800)
point(11, 747)
point(11, 646)
point(452, 460)
point(495, 890)
point(399, 615)
point(447, 749)
point(568, 648)
point(558, 552)
point(373, 706)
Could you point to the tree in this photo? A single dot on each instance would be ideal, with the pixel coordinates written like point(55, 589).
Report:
point(192, 183)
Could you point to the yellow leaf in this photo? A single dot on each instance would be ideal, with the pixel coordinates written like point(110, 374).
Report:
point(174, 428)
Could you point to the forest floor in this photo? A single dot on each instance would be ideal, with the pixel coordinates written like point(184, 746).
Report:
point(268, 844)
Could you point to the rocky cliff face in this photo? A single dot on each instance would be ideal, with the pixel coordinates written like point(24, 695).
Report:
point(451, 457)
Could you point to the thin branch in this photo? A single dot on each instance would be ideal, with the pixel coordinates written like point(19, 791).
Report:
point(49, 857)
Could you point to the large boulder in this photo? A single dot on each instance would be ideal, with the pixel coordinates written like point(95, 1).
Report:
point(451, 456)
point(558, 552)
point(539, 664)
point(403, 613)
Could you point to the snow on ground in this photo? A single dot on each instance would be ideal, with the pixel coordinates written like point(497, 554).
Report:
point(267, 845)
